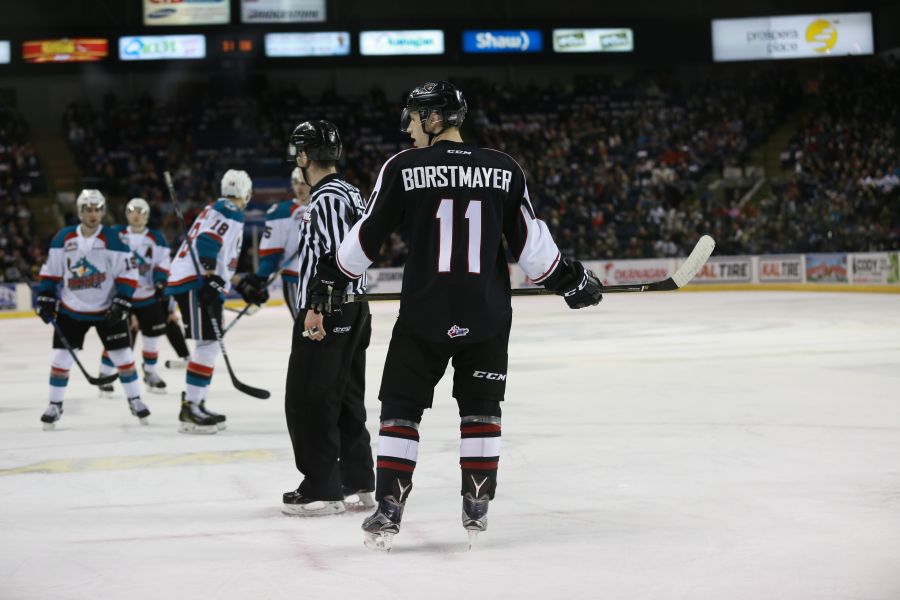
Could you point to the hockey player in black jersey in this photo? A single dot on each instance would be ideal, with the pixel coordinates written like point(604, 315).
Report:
point(455, 202)
point(324, 394)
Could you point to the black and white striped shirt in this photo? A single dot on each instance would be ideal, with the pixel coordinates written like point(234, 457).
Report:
point(334, 207)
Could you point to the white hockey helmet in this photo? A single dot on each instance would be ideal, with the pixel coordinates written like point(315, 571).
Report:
point(237, 184)
point(138, 204)
point(297, 176)
point(90, 198)
point(137, 211)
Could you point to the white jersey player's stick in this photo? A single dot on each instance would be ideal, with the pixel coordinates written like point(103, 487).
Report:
point(252, 309)
point(102, 379)
point(217, 328)
point(689, 268)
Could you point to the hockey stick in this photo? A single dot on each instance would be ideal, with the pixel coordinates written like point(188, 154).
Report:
point(689, 268)
point(217, 329)
point(246, 310)
point(101, 380)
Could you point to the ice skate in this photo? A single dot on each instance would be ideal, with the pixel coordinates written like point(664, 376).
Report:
point(106, 390)
point(380, 528)
point(474, 515)
point(218, 418)
point(177, 363)
point(154, 383)
point(355, 499)
point(294, 503)
point(192, 420)
point(51, 416)
point(139, 409)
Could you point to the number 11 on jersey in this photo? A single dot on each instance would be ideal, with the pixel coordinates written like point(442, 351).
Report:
point(445, 237)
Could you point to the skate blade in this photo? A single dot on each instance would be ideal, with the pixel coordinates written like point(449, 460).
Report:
point(106, 395)
point(49, 426)
point(473, 535)
point(144, 420)
point(156, 390)
point(319, 508)
point(197, 429)
point(360, 501)
point(221, 426)
point(382, 542)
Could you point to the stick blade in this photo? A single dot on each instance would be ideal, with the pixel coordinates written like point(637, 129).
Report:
point(692, 265)
point(103, 379)
point(252, 391)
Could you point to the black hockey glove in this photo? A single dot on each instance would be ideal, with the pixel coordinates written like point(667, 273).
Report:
point(46, 308)
point(327, 291)
point(578, 286)
point(159, 290)
point(252, 289)
point(212, 291)
point(118, 310)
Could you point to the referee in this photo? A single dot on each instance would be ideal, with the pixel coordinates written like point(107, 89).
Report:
point(325, 387)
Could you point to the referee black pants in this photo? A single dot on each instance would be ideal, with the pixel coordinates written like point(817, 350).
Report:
point(324, 405)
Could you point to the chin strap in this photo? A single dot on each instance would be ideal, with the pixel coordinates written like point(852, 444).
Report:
point(431, 136)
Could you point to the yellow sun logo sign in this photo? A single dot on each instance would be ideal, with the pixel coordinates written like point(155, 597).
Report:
point(823, 34)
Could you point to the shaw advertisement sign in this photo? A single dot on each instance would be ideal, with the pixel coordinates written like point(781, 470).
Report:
point(502, 41)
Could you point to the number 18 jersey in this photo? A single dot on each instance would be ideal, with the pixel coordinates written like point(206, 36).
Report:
point(216, 236)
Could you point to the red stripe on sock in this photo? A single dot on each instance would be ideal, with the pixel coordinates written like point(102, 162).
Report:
point(388, 464)
point(150, 354)
point(400, 429)
point(200, 369)
point(128, 367)
point(480, 428)
point(479, 466)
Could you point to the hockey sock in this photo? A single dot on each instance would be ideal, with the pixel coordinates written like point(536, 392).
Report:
point(200, 371)
point(479, 454)
point(150, 353)
point(106, 365)
point(124, 361)
point(60, 363)
point(176, 337)
point(398, 449)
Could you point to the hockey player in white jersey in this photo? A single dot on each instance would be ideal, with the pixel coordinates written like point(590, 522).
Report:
point(280, 242)
point(87, 282)
point(150, 262)
point(216, 237)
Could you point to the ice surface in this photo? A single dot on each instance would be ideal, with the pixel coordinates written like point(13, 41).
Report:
point(738, 446)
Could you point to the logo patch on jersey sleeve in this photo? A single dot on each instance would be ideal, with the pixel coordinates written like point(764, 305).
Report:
point(457, 331)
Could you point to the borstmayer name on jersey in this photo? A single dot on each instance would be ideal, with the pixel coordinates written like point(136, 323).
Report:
point(216, 235)
point(281, 239)
point(91, 270)
point(150, 260)
point(456, 203)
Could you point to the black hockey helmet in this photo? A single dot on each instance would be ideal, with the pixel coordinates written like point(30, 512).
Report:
point(435, 96)
point(320, 140)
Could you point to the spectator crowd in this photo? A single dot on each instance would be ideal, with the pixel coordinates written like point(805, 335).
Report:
point(615, 167)
point(20, 176)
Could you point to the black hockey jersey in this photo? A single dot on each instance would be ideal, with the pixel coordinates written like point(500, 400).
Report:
point(455, 203)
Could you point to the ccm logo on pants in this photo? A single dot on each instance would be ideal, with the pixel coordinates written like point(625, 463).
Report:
point(491, 376)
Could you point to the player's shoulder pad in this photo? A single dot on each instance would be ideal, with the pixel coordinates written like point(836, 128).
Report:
point(506, 157)
point(279, 210)
point(113, 242)
point(59, 240)
point(158, 237)
point(229, 210)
